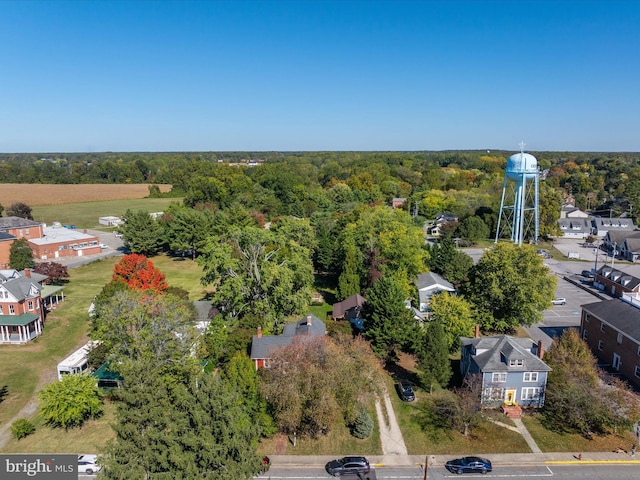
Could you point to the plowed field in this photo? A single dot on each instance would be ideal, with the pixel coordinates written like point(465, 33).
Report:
point(38, 194)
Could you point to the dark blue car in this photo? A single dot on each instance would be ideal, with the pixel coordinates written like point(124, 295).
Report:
point(469, 464)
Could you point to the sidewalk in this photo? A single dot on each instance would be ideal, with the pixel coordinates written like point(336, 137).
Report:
point(497, 459)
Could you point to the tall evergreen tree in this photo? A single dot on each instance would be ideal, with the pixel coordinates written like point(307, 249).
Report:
point(349, 281)
point(433, 356)
point(167, 429)
point(388, 323)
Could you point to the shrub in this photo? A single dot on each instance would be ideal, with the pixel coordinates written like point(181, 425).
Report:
point(21, 428)
point(363, 425)
point(70, 402)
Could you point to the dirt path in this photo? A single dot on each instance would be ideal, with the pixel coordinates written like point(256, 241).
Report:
point(390, 434)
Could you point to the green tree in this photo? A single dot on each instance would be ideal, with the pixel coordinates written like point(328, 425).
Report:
point(363, 425)
point(577, 400)
point(453, 264)
point(510, 286)
point(433, 356)
point(20, 255)
point(388, 324)
point(549, 207)
point(137, 325)
point(141, 233)
point(241, 372)
point(188, 228)
point(257, 272)
point(349, 280)
point(168, 429)
point(472, 229)
point(70, 402)
point(455, 315)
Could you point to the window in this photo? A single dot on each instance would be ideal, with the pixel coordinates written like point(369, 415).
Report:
point(586, 318)
point(639, 350)
point(499, 377)
point(585, 335)
point(12, 310)
point(30, 304)
point(495, 394)
point(602, 327)
point(637, 372)
point(530, 376)
point(600, 345)
point(619, 338)
point(518, 362)
point(2, 313)
point(26, 232)
point(530, 393)
point(63, 247)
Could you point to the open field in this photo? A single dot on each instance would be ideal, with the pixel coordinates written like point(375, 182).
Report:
point(86, 214)
point(36, 194)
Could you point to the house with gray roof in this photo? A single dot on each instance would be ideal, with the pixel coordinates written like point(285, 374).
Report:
point(512, 371)
point(630, 249)
point(611, 328)
point(615, 239)
point(429, 284)
point(603, 225)
point(262, 345)
point(22, 311)
point(575, 227)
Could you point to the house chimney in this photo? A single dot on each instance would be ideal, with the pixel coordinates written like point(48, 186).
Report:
point(259, 332)
point(477, 334)
point(540, 349)
point(27, 272)
point(308, 319)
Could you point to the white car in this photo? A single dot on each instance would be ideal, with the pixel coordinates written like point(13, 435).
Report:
point(103, 246)
point(559, 301)
point(87, 464)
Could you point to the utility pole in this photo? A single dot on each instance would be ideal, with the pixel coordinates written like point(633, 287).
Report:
point(426, 465)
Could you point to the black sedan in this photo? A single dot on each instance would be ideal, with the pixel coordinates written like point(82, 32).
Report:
point(469, 464)
point(348, 465)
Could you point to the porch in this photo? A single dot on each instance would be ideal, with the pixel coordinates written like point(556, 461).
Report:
point(19, 329)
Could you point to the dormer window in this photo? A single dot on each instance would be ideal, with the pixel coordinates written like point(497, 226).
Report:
point(516, 362)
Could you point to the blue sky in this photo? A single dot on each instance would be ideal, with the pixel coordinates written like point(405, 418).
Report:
point(89, 76)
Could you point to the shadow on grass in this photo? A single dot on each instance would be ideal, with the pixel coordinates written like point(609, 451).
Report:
point(4, 391)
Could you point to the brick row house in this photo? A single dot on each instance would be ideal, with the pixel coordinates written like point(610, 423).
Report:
point(615, 282)
point(611, 328)
point(22, 311)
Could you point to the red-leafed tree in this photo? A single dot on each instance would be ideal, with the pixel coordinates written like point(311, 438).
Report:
point(139, 273)
point(54, 271)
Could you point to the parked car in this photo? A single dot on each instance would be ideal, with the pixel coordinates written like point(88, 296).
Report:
point(405, 390)
point(588, 274)
point(469, 464)
point(348, 465)
point(87, 464)
point(559, 301)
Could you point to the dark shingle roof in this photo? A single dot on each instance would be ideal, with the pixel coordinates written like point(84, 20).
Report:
point(508, 347)
point(7, 223)
point(621, 315)
point(340, 308)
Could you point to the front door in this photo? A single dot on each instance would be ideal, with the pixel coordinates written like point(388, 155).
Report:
point(616, 361)
point(510, 397)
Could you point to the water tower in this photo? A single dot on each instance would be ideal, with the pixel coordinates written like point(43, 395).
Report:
point(519, 206)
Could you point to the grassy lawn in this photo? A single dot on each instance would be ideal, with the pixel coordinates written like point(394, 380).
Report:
point(92, 437)
point(85, 215)
point(549, 441)
point(30, 366)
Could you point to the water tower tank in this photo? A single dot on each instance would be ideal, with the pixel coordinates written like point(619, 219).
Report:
point(522, 164)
